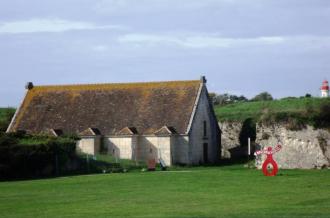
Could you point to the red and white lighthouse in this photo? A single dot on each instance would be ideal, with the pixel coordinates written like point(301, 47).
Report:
point(325, 89)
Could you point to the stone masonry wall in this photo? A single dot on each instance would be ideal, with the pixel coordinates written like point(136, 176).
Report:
point(196, 135)
point(141, 148)
point(121, 147)
point(304, 149)
point(89, 145)
point(230, 138)
point(180, 148)
point(154, 147)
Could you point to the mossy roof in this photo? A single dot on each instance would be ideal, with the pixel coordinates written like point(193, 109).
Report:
point(108, 107)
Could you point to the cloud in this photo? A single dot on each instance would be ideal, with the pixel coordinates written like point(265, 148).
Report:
point(49, 25)
point(196, 42)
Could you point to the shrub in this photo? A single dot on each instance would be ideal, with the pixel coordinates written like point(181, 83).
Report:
point(27, 156)
point(308, 95)
point(264, 96)
point(224, 99)
point(322, 117)
point(6, 115)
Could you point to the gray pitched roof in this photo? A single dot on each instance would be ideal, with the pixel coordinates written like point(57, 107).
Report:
point(108, 107)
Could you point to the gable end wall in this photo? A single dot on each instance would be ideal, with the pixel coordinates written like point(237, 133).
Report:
point(204, 112)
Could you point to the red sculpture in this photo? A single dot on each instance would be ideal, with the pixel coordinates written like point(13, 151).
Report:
point(269, 160)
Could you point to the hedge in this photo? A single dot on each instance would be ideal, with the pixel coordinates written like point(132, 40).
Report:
point(51, 157)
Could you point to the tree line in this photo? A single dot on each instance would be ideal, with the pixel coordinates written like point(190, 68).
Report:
point(223, 99)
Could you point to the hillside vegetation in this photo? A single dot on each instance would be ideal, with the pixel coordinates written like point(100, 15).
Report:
point(294, 111)
point(5, 116)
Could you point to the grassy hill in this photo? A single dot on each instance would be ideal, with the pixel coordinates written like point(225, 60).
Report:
point(314, 111)
point(231, 192)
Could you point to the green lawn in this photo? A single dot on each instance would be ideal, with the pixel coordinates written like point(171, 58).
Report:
point(191, 192)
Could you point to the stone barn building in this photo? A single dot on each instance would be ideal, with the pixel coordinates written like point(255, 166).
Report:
point(173, 121)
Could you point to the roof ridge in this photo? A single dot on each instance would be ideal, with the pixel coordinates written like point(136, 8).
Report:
point(115, 84)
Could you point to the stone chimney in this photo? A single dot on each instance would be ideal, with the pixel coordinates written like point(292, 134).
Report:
point(29, 85)
point(203, 79)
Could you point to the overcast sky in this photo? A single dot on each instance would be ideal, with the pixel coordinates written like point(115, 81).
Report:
point(241, 46)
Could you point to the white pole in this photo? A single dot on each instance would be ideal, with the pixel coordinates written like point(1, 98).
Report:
point(249, 146)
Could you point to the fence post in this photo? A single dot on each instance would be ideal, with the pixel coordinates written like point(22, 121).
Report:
point(249, 148)
point(87, 160)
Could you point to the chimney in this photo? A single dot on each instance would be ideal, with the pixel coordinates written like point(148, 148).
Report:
point(203, 79)
point(29, 85)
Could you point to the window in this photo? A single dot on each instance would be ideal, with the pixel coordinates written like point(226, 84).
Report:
point(204, 129)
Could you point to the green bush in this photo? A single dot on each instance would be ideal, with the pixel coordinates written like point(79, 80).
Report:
point(264, 96)
point(6, 115)
point(322, 117)
point(46, 156)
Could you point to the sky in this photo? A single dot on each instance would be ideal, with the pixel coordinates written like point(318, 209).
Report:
point(243, 47)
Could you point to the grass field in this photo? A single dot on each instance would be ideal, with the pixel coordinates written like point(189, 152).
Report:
point(242, 111)
point(203, 192)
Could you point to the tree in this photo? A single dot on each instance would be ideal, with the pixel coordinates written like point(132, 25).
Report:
point(212, 97)
point(308, 95)
point(264, 96)
point(223, 99)
point(242, 98)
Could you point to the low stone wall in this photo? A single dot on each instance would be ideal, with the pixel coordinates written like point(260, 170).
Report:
point(304, 149)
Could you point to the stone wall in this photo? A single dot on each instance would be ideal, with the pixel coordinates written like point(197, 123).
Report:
point(304, 149)
point(121, 147)
point(172, 149)
point(89, 145)
point(180, 150)
point(230, 138)
point(155, 147)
